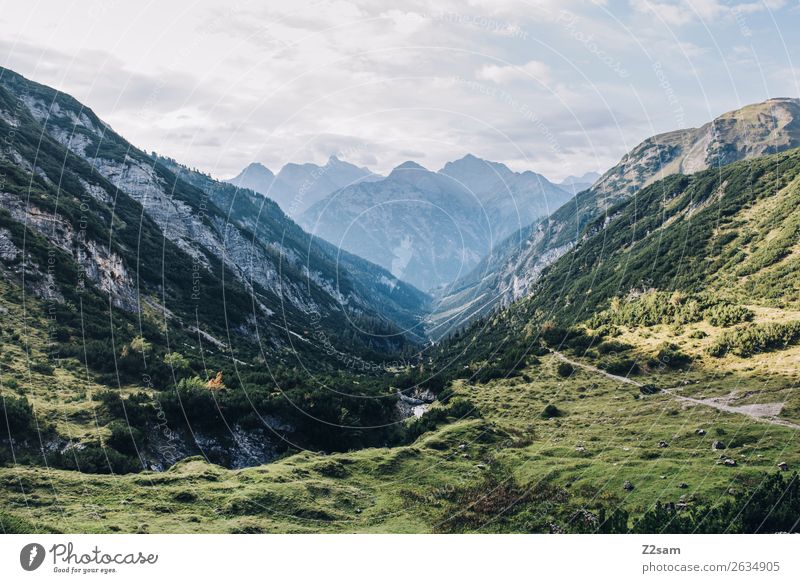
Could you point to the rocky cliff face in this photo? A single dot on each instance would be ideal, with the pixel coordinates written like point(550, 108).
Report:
point(270, 259)
point(516, 264)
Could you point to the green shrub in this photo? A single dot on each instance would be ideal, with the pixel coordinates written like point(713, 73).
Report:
point(725, 315)
point(18, 416)
point(619, 366)
point(613, 347)
point(42, 368)
point(124, 438)
point(670, 356)
point(565, 369)
point(750, 339)
point(96, 459)
point(551, 411)
point(458, 408)
point(648, 389)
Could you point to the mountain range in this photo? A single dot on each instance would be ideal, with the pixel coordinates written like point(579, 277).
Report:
point(428, 228)
point(299, 186)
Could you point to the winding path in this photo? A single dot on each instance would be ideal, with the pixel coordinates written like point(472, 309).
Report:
point(715, 404)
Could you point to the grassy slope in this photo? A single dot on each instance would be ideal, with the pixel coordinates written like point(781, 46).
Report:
point(414, 488)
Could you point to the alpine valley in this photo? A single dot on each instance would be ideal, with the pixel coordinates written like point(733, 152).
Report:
point(325, 349)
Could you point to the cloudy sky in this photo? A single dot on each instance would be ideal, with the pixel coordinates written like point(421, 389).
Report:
point(558, 86)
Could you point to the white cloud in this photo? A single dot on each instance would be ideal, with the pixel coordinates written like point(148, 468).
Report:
point(530, 71)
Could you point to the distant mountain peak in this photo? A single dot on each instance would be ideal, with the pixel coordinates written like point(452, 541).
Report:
point(585, 178)
point(257, 166)
point(253, 173)
point(410, 165)
point(472, 161)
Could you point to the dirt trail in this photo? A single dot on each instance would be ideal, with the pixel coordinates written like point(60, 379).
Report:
point(765, 412)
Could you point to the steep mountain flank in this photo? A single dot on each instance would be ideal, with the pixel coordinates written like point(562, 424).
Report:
point(514, 266)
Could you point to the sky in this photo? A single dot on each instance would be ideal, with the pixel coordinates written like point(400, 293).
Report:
point(557, 86)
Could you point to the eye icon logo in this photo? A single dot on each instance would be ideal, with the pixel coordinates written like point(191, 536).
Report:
point(31, 556)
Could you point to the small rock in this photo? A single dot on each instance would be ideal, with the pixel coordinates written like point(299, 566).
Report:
point(627, 486)
point(783, 466)
point(663, 443)
point(717, 445)
point(462, 446)
point(729, 462)
point(465, 455)
point(733, 491)
point(683, 485)
point(700, 431)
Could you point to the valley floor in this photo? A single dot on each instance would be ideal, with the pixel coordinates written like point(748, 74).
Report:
point(509, 470)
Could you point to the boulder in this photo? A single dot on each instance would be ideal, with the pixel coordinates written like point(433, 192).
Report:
point(717, 445)
point(663, 443)
point(783, 466)
point(700, 431)
point(627, 486)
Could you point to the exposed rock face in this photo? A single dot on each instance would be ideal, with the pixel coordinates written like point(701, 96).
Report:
point(240, 448)
point(754, 130)
point(8, 251)
point(100, 265)
point(414, 403)
point(515, 265)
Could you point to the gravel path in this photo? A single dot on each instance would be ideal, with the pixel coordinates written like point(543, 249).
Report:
point(765, 412)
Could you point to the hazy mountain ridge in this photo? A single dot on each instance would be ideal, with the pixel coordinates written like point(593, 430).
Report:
point(296, 187)
point(430, 227)
point(576, 184)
